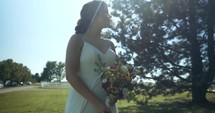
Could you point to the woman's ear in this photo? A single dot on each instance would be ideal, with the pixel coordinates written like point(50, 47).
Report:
point(97, 16)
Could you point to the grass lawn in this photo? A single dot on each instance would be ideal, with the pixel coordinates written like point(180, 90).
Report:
point(47, 100)
point(34, 101)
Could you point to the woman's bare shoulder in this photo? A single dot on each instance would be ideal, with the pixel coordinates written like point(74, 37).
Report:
point(76, 40)
point(77, 37)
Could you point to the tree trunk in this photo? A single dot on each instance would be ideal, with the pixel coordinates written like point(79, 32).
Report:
point(199, 94)
point(198, 82)
point(211, 55)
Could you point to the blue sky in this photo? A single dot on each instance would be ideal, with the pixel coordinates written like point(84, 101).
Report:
point(33, 32)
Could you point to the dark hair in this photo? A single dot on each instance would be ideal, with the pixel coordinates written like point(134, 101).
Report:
point(88, 12)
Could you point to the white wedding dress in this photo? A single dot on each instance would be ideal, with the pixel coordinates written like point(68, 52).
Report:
point(89, 56)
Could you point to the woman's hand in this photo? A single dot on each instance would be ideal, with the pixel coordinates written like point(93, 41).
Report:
point(101, 108)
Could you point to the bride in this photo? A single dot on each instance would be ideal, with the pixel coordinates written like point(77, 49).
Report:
point(83, 51)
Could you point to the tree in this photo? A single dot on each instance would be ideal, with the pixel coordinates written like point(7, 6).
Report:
point(36, 77)
point(48, 73)
point(170, 41)
point(60, 71)
point(53, 70)
point(13, 71)
point(5, 70)
point(21, 73)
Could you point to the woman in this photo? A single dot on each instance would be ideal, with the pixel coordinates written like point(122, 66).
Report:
point(86, 94)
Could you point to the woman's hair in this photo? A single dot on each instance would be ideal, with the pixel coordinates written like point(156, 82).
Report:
point(88, 13)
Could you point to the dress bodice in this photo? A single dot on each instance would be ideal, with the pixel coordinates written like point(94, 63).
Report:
point(90, 56)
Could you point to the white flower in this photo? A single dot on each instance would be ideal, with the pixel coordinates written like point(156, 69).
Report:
point(104, 80)
point(108, 68)
point(107, 101)
point(133, 82)
point(124, 69)
point(124, 92)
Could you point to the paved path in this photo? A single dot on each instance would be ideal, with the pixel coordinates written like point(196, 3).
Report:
point(12, 89)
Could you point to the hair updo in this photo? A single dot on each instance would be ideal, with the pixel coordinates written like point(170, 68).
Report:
point(88, 12)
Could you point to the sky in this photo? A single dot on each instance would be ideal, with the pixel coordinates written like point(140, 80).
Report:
point(33, 32)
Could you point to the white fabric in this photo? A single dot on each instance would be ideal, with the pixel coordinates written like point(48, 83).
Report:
point(89, 55)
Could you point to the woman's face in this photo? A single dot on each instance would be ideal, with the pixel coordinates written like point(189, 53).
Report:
point(104, 18)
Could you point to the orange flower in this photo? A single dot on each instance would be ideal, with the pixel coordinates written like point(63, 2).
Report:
point(114, 90)
point(128, 77)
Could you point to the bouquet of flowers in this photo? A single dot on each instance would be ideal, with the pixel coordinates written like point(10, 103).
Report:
point(117, 82)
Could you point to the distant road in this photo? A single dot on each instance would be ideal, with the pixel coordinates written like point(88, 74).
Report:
point(12, 89)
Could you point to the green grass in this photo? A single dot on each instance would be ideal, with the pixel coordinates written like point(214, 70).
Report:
point(50, 100)
point(168, 108)
point(179, 103)
point(34, 101)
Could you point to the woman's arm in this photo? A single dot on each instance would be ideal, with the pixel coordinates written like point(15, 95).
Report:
point(72, 67)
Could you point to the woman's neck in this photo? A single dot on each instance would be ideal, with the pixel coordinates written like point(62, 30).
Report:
point(93, 33)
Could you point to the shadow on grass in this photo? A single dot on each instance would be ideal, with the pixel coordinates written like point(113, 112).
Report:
point(173, 107)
